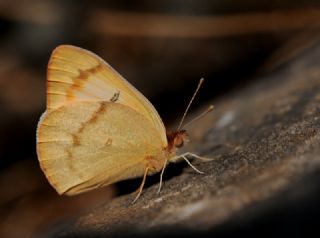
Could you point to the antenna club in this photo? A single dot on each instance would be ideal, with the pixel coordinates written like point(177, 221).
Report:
point(210, 108)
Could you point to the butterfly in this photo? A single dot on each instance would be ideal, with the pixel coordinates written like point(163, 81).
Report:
point(98, 129)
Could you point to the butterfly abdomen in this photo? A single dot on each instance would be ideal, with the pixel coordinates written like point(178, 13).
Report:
point(155, 162)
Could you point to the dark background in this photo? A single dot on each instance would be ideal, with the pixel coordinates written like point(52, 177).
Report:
point(161, 47)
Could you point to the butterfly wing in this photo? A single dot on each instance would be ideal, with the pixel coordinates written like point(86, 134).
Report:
point(75, 74)
point(85, 145)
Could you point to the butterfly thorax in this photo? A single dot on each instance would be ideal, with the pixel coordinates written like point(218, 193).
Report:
point(176, 139)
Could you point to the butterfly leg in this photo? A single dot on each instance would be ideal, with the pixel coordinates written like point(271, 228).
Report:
point(183, 156)
point(161, 175)
point(141, 185)
point(192, 166)
point(178, 157)
point(197, 156)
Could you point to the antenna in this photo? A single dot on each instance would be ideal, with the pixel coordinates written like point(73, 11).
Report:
point(186, 111)
point(200, 116)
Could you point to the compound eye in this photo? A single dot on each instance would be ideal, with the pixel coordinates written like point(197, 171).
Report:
point(178, 142)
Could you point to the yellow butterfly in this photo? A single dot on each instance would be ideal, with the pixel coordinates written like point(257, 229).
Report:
point(98, 129)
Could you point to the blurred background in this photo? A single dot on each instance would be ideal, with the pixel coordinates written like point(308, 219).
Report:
point(161, 47)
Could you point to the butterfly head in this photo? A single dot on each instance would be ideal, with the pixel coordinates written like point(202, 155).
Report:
point(177, 139)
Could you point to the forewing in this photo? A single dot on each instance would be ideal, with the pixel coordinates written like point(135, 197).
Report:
point(85, 145)
point(75, 74)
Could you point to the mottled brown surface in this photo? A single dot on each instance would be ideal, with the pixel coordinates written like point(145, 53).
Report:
point(263, 139)
point(162, 57)
point(28, 205)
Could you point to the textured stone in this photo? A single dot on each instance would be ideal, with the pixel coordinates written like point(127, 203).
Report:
point(265, 141)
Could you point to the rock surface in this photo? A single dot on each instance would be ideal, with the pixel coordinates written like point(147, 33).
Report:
point(265, 141)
